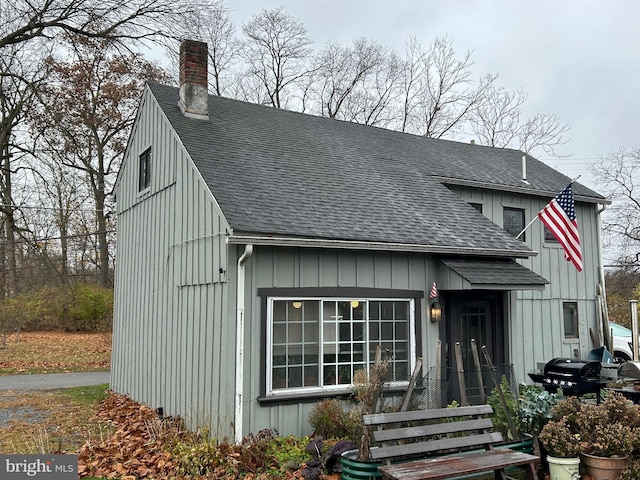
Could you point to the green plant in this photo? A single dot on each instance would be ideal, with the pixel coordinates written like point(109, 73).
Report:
point(536, 405)
point(88, 395)
point(90, 308)
point(500, 416)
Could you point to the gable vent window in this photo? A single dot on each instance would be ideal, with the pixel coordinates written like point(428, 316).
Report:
point(513, 221)
point(144, 176)
point(317, 345)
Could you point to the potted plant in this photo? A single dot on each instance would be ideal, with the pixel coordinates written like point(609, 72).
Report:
point(562, 443)
point(367, 389)
point(609, 434)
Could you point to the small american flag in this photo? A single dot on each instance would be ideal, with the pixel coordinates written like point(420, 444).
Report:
point(559, 216)
point(434, 290)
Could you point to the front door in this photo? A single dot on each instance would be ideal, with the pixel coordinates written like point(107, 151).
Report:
point(479, 316)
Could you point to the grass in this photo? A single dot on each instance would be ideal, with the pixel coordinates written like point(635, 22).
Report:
point(50, 421)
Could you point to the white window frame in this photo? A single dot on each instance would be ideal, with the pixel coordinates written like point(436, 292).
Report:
point(411, 343)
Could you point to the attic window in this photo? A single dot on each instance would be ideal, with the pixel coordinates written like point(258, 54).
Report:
point(144, 175)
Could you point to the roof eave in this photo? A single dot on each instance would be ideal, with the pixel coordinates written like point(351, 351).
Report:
point(378, 246)
point(525, 189)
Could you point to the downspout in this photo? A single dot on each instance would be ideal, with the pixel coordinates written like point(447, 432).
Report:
point(603, 290)
point(237, 424)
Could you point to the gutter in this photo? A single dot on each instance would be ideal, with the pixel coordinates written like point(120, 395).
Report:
point(237, 423)
point(377, 246)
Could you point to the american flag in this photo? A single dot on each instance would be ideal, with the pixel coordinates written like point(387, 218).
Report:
point(434, 290)
point(559, 216)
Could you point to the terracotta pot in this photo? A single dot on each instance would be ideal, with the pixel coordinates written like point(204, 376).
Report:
point(602, 468)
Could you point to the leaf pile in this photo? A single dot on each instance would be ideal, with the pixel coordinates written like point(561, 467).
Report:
point(135, 450)
point(48, 352)
point(147, 446)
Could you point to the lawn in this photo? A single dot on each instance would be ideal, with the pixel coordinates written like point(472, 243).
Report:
point(52, 420)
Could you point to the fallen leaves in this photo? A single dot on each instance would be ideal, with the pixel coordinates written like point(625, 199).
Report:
point(135, 449)
point(48, 352)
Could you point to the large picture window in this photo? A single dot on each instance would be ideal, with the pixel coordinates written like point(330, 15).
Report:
point(318, 344)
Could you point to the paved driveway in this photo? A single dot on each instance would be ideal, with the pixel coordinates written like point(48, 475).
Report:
point(53, 380)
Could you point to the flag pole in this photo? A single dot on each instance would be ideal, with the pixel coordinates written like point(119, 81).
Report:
point(536, 217)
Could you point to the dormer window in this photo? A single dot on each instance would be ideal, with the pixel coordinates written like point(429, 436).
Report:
point(144, 176)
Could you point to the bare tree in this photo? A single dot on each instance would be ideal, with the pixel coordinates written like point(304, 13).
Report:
point(357, 83)
point(276, 49)
point(23, 20)
point(86, 114)
point(618, 175)
point(217, 31)
point(497, 122)
point(439, 92)
point(341, 71)
point(20, 76)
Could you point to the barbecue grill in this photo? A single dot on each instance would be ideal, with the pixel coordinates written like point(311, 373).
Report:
point(573, 376)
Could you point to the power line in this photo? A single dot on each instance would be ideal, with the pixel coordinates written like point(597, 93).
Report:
point(40, 207)
point(46, 239)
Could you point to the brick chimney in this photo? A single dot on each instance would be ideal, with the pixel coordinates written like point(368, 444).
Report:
point(194, 100)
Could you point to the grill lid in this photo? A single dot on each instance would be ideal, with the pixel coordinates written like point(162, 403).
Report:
point(571, 368)
point(629, 370)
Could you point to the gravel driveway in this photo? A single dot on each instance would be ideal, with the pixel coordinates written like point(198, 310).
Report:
point(47, 381)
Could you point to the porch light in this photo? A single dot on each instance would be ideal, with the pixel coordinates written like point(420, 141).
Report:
point(297, 304)
point(436, 311)
point(355, 304)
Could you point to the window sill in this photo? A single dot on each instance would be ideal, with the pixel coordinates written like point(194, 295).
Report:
point(311, 397)
point(301, 397)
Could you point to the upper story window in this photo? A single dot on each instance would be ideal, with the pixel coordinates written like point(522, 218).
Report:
point(317, 344)
point(144, 174)
point(477, 206)
point(548, 236)
point(570, 316)
point(513, 221)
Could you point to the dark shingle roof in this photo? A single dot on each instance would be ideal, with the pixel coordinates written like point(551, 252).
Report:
point(276, 172)
point(483, 273)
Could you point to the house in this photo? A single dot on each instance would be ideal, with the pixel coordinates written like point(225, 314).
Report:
point(263, 255)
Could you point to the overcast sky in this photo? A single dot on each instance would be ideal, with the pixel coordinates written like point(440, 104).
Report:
point(578, 59)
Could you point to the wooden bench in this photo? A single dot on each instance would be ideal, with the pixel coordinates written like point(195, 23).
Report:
point(442, 443)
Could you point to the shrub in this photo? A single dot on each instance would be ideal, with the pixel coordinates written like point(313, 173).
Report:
point(330, 420)
point(79, 307)
point(90, 308)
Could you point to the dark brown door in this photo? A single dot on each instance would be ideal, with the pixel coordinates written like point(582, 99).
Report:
point(474, 316)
